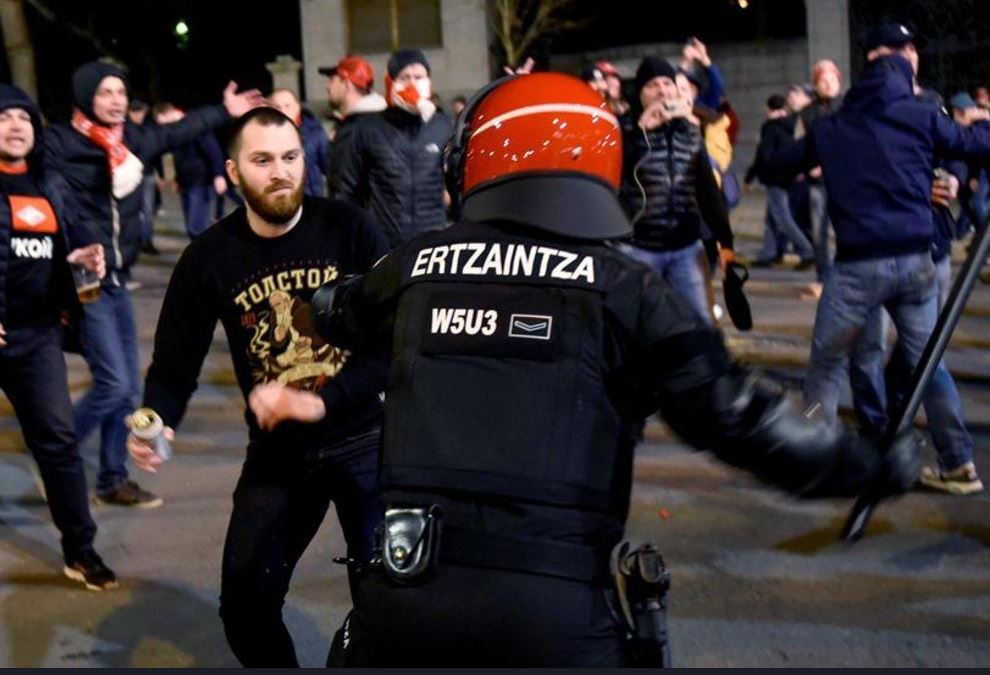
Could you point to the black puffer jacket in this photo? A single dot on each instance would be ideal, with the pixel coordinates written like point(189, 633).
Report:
point(116, 223)
point(670, 167)
point(392, 164)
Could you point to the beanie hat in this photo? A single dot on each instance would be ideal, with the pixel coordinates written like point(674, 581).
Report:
point(651, 67)
point(86, 80)
point(406, 57)
point(15, 97)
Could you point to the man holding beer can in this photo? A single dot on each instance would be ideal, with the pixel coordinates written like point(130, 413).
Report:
point(314, 410)
point(36, 290)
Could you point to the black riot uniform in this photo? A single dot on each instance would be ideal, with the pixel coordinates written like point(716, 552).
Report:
point(524, 362)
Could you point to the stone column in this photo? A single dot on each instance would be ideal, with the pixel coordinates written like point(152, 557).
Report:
point(324, 42)
point(828, 34)
point(285, 73)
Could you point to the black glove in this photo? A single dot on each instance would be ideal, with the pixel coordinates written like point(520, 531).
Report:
point(899, 467)
point(749, 424)
point(862, 467)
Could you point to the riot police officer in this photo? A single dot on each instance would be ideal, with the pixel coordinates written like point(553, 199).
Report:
point(525, 353)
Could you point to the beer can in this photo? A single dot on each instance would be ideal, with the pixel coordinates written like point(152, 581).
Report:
point(147, 426)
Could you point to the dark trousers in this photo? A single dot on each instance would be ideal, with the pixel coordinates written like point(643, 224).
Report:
point(279, 503)
point(466, 616)
point(196, 200)
point(33, 376)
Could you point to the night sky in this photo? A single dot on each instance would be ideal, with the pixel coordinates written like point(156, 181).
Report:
point(226, 40)
point(234, 39)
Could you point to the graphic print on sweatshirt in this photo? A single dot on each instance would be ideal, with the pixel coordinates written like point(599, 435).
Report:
point(283, 345)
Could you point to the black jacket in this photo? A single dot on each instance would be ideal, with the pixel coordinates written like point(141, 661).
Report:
point(670, 167)
point(392, 164)
point(115, 223)
point(774, 134)
point(199, 161)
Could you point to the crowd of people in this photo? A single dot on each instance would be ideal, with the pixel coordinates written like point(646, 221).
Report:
point(317, 208)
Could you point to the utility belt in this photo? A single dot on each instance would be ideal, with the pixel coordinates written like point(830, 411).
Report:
point(412, 541)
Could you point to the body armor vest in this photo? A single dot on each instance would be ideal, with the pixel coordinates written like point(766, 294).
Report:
point(496, 386)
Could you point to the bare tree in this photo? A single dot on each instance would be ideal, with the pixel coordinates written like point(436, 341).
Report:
point(20, 49)
point(518, 24)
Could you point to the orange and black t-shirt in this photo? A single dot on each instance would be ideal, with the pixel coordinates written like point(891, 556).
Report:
point(34, 245)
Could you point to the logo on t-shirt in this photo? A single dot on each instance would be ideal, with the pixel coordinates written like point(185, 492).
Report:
point(32, 214)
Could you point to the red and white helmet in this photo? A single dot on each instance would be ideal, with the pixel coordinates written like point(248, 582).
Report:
point(542, 150)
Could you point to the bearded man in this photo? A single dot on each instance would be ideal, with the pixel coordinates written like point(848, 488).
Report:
point(312, 440)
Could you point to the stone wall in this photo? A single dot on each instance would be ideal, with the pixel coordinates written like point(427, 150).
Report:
point(459, 67)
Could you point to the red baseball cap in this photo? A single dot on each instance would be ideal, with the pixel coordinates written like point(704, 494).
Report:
point(354, 69)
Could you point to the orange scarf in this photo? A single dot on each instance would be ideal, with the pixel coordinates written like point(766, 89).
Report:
point(122, 162)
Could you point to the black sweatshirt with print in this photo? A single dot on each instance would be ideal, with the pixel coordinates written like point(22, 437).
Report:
point(260, 288)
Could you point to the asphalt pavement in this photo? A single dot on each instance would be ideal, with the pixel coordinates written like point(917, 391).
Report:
point(759, 579)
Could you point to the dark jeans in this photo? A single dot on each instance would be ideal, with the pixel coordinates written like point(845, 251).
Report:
point(466, 616)
point(230, 194)
point(196, 200)
point(147, 209)
point(280, 501)
point(109, 341)
point(820, 225)
point(33, 376)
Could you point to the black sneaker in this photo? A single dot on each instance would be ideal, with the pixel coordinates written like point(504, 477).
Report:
point(129, 493)
point(149, 248)
point(89, 568)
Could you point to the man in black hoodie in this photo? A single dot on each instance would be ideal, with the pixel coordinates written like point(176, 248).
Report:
point(35, 288)
point(101, 157)
point(391, 163)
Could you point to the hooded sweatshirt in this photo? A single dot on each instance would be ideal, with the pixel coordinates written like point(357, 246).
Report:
point(878, 155)
point(35, 281)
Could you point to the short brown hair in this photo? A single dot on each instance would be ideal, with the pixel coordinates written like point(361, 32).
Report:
point(264, 115)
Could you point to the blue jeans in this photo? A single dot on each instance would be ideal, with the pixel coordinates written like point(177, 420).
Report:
point(852, 298)
point(818, 199)
point(109, 341)
point(780, 227)
point(196, 200)
point(877, 389)
point(682, 270)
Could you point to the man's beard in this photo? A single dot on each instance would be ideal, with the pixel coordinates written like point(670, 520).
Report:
point(274, 210)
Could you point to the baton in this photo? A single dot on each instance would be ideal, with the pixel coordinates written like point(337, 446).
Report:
point(903, 419)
